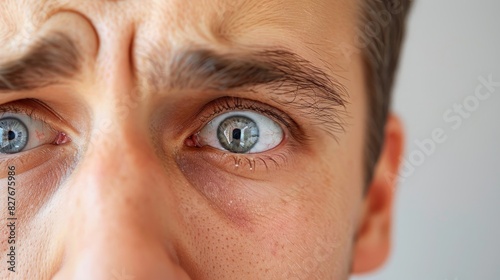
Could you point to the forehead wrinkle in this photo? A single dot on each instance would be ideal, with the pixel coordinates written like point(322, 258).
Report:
point(235, 18)
point(221, 22)
point(20, 21)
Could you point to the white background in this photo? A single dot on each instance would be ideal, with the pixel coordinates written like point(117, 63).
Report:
point(447, 216)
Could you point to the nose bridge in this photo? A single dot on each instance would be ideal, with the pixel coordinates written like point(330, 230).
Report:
point(123, 212)
point(120, 180)
point(121, 163)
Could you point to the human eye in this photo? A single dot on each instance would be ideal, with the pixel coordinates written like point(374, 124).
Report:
point(241, 132)
point(239, 135)
point(21, 130)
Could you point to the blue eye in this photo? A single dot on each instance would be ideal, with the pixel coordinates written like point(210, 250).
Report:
point(21, 132)
point(241, 132)
point(14, 135)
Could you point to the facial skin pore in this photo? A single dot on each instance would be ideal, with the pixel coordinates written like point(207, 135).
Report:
point(130, 83)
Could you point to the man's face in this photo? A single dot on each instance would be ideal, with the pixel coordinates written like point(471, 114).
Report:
point(176, 139)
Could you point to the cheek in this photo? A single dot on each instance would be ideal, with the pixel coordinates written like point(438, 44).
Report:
point(294, 226)
point(318, 228)
point(226, 197)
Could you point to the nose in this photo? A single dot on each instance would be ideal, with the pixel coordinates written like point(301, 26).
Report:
point(121, 213)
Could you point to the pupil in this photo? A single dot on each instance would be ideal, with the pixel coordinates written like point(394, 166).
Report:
point(11, 135)
point(237, 134)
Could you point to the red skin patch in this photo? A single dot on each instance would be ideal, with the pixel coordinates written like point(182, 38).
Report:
point(40, 135)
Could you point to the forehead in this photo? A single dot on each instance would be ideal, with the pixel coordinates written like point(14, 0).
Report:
point(228, 20)
point(319, 24)
point(312, 28)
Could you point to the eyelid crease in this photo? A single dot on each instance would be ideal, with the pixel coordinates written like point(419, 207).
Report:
point(30, 112)
point(28, 108)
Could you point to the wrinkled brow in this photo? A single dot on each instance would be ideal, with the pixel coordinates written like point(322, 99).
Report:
point(287, 78)
point(48, 62)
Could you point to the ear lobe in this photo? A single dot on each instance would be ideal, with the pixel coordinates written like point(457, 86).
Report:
point(372, 246)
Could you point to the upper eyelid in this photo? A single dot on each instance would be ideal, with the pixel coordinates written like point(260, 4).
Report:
point(37, 110)
point(25, 110)
point(226, 103)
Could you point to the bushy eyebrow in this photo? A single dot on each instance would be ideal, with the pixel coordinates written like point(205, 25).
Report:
point(287, 78)
point(48, 61)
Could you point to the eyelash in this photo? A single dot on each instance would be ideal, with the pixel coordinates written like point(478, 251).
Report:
point(293, 134)
point(227, 104)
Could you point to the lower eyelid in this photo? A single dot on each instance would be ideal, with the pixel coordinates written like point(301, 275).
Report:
point(246, 165)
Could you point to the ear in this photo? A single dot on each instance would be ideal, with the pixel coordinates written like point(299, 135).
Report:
point(373, 241)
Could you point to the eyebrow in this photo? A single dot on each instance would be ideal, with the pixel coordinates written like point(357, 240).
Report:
point(49, 61)
point(288, 78)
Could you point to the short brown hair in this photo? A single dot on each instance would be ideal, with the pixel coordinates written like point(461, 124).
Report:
point(383, 23)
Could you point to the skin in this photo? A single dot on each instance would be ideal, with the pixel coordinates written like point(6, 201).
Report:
point(129, 196)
